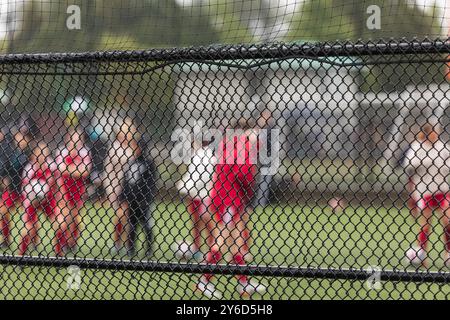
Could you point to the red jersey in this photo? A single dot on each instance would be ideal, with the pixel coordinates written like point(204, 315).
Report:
point(73, 189)
point(81, 159)
point(44, 174)
point(234, 175)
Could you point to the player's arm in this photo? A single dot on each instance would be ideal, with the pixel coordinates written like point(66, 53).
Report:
point(82, 169)
point(411, 161)
point(60, 165)
point(56, 174)
point(27, 175)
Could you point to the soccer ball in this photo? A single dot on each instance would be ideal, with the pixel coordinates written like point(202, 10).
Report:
point(415, 256)
point(36, 189)
point(183, 250)
point(337, 204)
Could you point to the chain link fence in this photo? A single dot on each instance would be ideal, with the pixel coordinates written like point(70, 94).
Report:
point(300, 171)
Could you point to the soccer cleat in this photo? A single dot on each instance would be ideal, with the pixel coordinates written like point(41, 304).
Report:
point(250, 288)
point(119, 251)
point(131, 253)
point(198, 256)
point(208, 290)
point(183, 250)
point(5, 245)
point(149, 253)
point(416, 256)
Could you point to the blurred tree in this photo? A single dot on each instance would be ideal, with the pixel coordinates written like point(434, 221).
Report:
point(110, 24)
point(346, 19)
point(244, 21)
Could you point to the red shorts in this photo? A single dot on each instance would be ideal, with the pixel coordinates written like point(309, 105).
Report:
point(434, 201)
point(10, 198)
point(73, 191)
point(232, 191)
point(48, 206)
point(198, 207)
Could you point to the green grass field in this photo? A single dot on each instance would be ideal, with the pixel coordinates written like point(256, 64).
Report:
point(300, 235)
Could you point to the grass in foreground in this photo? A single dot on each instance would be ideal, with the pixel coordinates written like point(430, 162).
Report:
point(300, 235)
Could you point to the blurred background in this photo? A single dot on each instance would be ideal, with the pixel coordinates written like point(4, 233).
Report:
point(346, 121)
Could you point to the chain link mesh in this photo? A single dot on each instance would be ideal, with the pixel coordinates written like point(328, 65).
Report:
point(312, 171)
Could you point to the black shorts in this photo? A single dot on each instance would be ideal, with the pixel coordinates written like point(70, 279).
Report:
point(136, 201)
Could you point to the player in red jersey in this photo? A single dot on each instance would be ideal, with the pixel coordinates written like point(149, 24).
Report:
point(38, 193)
point(74, 163)
point(232, 190)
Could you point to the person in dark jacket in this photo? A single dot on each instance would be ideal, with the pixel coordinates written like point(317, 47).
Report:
point(138, 192)
point(15, 152)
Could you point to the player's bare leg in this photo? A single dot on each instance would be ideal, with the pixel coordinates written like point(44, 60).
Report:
point(26, 235)
point(120, 228)
point(5, 225)
point(75, 229)
point(124, 221)
point(246, 286)
point(72, 227)
point(204, 225)
point(31, 226)
point(60, 225)
point(445, 221)
point(417, 254)
point(214, 256)
point(197, 224)
point(209, 224)
point(246, 235)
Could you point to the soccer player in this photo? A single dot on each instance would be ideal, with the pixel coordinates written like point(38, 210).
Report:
point(15, 154)
point(120, 154)
point(138, 192)
point(73, 163)
point(195, 187)
point(38, 193)
point(429, 160)
point(233, 183)
point(410, 187)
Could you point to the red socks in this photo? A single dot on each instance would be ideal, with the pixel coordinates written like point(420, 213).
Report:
point(118, 229)
point(423, 238)
point(213, 257)
point(4, 226)
point(23, 247)
point(239, 260)
point(76, 232)
point(194, 210)
point(447, 238)
point(61, 241)
point(246, 236)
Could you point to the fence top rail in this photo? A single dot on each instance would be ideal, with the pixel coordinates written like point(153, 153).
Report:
point(233, 52)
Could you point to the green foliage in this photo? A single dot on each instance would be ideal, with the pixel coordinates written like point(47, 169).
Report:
point(346, 19)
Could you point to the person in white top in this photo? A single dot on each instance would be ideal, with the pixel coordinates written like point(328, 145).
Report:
point(428, 164)
point(194, 187)
point(38, 194)
point(119, 156)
